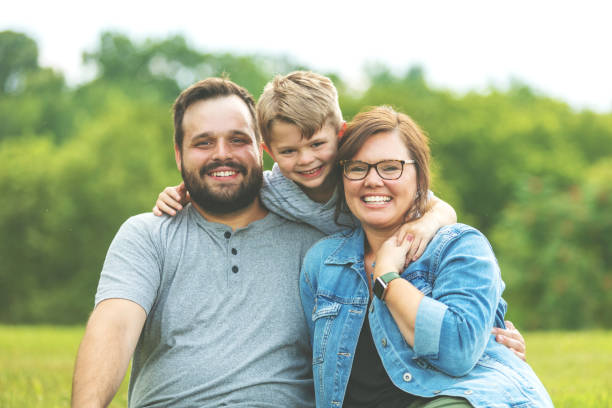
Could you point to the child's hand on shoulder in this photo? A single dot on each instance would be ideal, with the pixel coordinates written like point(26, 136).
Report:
point(171, 200)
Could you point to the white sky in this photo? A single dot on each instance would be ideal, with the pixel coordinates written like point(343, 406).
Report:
point(561, 49)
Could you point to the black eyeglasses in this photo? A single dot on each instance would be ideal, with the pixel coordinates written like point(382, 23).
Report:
point(386, 169)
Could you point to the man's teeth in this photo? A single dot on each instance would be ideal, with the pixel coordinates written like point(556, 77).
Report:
point(223, 173)
point(376, 199)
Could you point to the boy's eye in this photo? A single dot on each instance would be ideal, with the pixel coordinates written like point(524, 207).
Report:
point(287, 151)
point(317, 144)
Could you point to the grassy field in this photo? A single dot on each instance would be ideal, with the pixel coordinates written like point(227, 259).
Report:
point(36, 366)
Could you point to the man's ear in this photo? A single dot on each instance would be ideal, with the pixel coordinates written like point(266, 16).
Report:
point(178, 157)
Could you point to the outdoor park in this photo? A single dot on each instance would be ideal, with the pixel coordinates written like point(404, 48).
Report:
point(531, 172)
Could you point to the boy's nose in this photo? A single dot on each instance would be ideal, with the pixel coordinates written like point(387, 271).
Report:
point(305, 157)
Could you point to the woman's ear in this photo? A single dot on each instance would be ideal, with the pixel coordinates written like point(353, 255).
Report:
point(341, 131)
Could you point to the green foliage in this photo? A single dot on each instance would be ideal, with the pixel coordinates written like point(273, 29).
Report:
point(527, 170)
point(554, 249)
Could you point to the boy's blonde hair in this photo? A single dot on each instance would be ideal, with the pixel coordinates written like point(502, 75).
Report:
point(302, 98)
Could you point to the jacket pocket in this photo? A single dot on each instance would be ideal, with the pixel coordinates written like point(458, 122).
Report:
point(323, 315)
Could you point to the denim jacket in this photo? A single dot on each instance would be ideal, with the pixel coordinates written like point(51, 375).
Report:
point(454, 352)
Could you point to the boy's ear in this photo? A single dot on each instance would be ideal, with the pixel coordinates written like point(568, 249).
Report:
point(341, 131)
point(265, 147)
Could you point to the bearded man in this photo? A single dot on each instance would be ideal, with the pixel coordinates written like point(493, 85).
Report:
point(206, 302)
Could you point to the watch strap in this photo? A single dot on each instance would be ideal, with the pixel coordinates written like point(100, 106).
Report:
point(382, 282)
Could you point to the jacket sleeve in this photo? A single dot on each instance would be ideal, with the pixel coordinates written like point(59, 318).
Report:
point(453, 326)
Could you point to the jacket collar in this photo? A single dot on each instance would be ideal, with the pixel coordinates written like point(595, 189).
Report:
point(349, 248)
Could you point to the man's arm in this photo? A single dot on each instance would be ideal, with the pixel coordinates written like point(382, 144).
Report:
point(105, 352)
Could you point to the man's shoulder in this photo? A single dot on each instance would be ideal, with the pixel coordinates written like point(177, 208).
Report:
point(153, 226)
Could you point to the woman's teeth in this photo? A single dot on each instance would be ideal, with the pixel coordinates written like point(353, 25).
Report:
point(376, 199)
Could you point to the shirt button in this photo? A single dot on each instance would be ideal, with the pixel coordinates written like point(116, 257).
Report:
point(235, 269)
point(384, 342)
point(468, 392)
point(234, 251)
point(227, 234)
point(407, 377)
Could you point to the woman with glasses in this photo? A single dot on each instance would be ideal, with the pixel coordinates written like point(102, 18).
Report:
point(386, 334)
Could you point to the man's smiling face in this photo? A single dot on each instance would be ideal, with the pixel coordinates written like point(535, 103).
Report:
point(220, 159)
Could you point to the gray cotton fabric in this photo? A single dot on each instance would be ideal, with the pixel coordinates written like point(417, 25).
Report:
point(224, 323)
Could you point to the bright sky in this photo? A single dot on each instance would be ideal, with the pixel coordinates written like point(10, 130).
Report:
point(560, 48)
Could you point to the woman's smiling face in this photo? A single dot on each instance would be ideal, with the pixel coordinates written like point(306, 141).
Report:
point(378, 203)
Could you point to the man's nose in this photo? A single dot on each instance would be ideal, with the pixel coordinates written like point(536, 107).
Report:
point(222, 150)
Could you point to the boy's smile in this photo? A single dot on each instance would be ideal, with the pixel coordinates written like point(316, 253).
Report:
point(307, 162)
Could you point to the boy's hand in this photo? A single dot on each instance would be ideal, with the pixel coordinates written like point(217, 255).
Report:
point(422, 230)
point(512, 339)
point(171, 200)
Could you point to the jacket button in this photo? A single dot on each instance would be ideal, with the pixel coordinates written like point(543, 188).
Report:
point(421, 364)
point(372, 308)
point(384, 342)
point(407, 377)
point(468, 392)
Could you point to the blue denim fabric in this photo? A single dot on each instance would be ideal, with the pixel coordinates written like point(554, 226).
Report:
point(454, 352)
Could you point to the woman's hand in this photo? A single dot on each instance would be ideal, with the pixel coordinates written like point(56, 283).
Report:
point(391, 256)
point(512, 339)
point(171, 200)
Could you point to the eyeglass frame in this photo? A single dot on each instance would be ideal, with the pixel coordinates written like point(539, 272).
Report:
point(342, 163)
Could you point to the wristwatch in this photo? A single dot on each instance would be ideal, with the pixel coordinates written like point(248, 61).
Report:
point(382, 282)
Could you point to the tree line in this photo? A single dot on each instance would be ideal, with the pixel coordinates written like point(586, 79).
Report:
point(529, 171)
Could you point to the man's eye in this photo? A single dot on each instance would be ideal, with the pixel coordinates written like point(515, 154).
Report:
point(203, 143)
point(238, 140)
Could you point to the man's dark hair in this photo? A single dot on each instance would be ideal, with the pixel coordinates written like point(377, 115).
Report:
point(210, 88)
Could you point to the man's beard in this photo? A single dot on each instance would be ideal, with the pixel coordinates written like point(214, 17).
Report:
point(228, 199)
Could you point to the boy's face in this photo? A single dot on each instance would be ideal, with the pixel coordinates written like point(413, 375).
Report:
point(308, 162)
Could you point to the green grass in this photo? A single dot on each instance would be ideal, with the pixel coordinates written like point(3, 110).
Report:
point(36, 366)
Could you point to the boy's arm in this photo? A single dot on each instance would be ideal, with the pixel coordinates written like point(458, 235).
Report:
point(425, 227)
point(105, 352)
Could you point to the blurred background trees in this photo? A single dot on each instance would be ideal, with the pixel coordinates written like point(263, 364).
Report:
point(75, 161)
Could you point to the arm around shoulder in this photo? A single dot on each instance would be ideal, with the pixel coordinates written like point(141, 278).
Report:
point(110, 338)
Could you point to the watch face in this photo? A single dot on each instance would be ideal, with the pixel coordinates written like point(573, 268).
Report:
point(379, 288)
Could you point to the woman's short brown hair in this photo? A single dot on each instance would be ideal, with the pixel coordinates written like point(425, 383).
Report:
point(386, 119)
